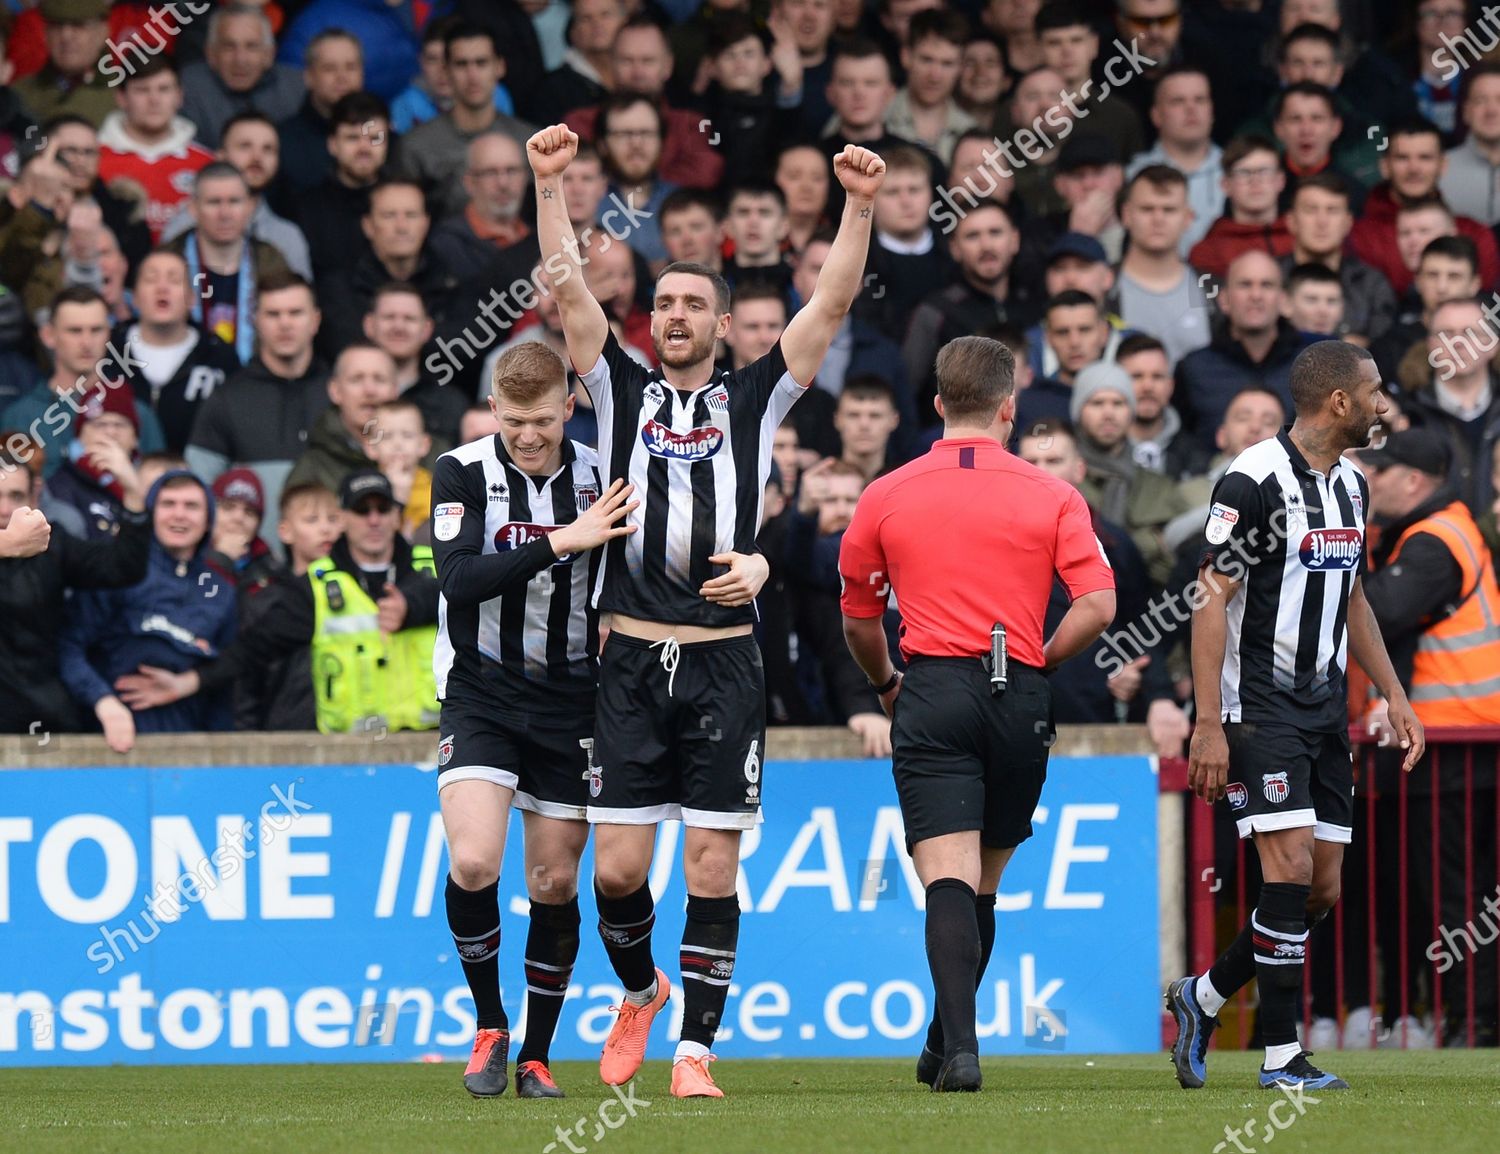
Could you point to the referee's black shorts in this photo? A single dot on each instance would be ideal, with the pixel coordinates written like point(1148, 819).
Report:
point(965, 759)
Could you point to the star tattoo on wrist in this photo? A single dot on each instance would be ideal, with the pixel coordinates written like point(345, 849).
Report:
point(864, 212)
point(546, 194)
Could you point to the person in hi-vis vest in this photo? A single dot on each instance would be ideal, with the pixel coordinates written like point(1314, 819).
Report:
point(369, 611)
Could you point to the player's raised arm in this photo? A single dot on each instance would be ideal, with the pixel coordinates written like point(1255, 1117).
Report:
point(585, 326)
point(806, 339)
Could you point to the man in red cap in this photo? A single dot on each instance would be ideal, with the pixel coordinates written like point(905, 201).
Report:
point(100, 460)
point(237, 550)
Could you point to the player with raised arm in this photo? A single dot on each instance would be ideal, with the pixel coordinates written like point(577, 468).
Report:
point(517, 519)
point(680, 726)
point(1280, 606)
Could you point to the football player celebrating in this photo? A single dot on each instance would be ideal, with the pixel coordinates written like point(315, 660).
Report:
point(517, 518)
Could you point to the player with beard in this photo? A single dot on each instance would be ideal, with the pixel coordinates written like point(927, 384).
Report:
point(1281, 605)
point(680, 728)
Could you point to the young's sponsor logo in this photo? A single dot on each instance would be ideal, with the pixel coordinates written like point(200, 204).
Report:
point(1238, 795)
point(694, 445)
point(1331, 550)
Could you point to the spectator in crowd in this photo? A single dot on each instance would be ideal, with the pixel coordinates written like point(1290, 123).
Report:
point(1083, 692)
point(803, 177)
point(238, 73)
point(37, 571)
point(434, 154)
point(1417, 225)
point(397, 227)
point(586, 185)
point(38, 207)
point(341, 442)
point(809, 25)
point(1014, 21)
point(250, 143)
point(430, 93)
point(630, 140)
point(1182, 112)
point(1140, 500)
point(73, 80)
point(1075, 263)
point(1035, 103)
point(756, 227)
point(861, 92)
point(1253, 181)
point(1468, 180)
point(237, 550)
point(1413, 168)
point(398, 323)
point(1088, 177)
point(1370, 80)
point(1253, 344)
point(280, 697)
point(399, 447)
point(379, 676)
point(641, 63)
point(147, 142)
point(172, 365)
point(1461, 400)
point(1436, 87)
point(1306, 125)
point(1039, 398)
point(1076, 334)
point(1254, 414)
point(1320, 221)
point(753, 111)
point(1448, 268)
point(757, 317)
point(489, 238)
point(1314, 301)
point(389, 33)
point(982, 80)
point(1154, 29)
point(1158, 291)
point(224, 258)
point(333, 67)
point(262, 416)
point(984, 246)
point(925, 110)
point(692, 228)
point(907, 262)
point(330, 215)
point(1156, 440)
point(180, 616)
point(587, 71)
point(74, 143)
point(815, 529)
point(77, 336)
point(1070, 47)
point(866, 419)
point(475, 425)
point(100, 468)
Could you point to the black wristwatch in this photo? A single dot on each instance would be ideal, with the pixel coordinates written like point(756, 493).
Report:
point(882, 690)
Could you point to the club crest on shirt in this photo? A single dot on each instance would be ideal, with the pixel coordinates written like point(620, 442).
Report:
point(1238, 795)
point(1358, 501)
point(694, 445)
point(1336, 550)
point(1275, 787)
point(718, 400)
point(585, 495)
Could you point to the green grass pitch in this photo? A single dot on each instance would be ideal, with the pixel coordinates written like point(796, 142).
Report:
point(1441, 1102)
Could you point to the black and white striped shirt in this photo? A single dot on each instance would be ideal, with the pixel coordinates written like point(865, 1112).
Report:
point(699, 463)
point(513, 619)
point(1295, 539)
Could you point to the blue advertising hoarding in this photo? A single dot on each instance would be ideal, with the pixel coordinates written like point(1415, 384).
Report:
point(287, 914)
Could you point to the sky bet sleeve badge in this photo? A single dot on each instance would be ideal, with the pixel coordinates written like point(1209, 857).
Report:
point(1221, 519)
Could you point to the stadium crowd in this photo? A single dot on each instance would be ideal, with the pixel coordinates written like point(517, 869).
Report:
point(258, 259)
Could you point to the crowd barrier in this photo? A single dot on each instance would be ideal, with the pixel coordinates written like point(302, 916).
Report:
point(264, 898)
point(1407, 959)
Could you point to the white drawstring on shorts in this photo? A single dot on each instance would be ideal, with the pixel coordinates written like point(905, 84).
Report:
point(669, 654)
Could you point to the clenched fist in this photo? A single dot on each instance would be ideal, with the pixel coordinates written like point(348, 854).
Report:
point(551, 150)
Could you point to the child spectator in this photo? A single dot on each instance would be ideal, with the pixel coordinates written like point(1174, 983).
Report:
point(398, 448)
point(100, 463)
point(1314, 300)
point(238, 551)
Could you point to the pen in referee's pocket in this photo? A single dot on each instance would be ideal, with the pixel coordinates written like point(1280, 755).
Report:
point(998, 668)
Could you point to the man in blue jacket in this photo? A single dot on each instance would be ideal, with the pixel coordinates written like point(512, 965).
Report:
point(181, 616)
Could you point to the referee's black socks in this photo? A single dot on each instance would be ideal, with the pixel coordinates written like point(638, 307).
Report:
point(709, 939)
point(625, 926)
point(551, 950)
point(474, 919)
point(953, 951)
point(984, 910)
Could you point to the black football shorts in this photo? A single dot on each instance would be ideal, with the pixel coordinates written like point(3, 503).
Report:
point(1281, 777)
point(543, 759)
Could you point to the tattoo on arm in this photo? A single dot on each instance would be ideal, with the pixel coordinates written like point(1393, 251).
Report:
point(864, 212)
point(546, 194)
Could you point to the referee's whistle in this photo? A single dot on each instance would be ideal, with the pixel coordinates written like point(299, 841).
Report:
point(998, 666)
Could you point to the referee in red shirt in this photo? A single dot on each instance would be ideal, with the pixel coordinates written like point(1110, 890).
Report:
point(969, 538)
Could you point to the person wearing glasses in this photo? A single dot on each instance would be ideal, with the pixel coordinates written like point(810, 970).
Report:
point(1253, 180)
point(629, 137)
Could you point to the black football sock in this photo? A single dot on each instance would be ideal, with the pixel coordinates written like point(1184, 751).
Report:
point(1234, 967)
point(1279, 926)
point(551, 950)
point(984, 910)
point(625, 925)
point(953, 956)
point(708, 947)
point(474, 919)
